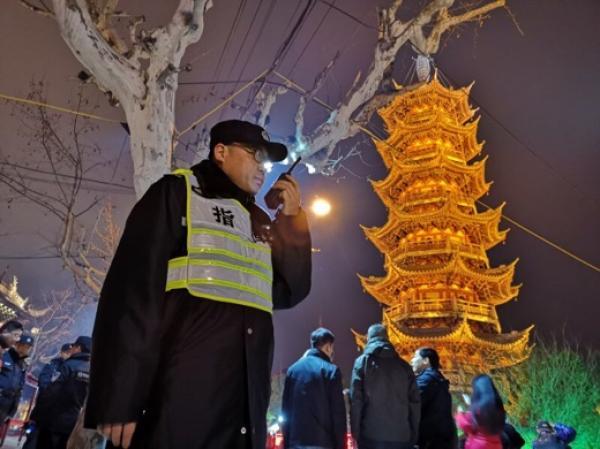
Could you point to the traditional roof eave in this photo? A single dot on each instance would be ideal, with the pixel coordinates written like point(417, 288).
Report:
point(414, 94)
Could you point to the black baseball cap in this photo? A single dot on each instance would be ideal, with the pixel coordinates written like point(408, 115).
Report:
point(66, 347)
point(85, 343)
point(26, 340)
point(240, 131)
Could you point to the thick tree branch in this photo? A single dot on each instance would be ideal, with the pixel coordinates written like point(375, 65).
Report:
point(111, 70)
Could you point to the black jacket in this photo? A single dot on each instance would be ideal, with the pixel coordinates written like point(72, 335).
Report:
point(385, 403)
point(192, 373)
point(511, 439)
point(12, 379)
point(65, 397)
point(49, 372)
point(313, 403)
point(437, 428)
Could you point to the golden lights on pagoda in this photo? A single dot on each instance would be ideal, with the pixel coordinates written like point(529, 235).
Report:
point(440, 290)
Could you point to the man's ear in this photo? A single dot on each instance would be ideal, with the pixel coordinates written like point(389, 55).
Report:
point(219, 153)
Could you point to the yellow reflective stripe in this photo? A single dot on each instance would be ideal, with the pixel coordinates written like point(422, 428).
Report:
point(229, 284)
point(231, 300)
point(172, 285)
point(233, 255)
point(178, 262)
point(188, 201)
point(218, 263)
point(234, 237)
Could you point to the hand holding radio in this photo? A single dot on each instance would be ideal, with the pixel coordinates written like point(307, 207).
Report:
point(285, 193)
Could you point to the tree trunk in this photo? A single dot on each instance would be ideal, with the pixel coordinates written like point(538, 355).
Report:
point(151, 125)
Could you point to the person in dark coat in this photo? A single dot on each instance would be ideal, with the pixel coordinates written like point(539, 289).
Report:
point(313, 401)
point(50, 371)
point(437, 429)
point(12, 376)
point(63, 399)
point(48, 374)
point(511, 439)
point(10, 333)
point(175, 370)
point(385, 403)
point(557, 436)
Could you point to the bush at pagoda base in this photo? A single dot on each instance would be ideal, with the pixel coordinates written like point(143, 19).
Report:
point(560, 382)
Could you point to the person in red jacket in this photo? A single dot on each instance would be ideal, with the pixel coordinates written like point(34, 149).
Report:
point(484, 422)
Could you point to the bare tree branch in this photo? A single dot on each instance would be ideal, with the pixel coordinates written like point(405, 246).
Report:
point(42, 10)
point(365, 96)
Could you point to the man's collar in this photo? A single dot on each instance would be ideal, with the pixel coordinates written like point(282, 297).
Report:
point(314, 352)
point(215, 184)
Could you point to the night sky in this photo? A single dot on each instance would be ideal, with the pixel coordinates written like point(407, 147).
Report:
point(538, 95)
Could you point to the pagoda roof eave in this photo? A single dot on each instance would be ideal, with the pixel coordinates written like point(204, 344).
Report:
point(499, 278)
point(410, 94)
point(372, 285)
point(463, 332)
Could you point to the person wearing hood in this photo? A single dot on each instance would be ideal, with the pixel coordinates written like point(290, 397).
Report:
point(183, 338)
point(437, 429)
point(385, 403)
point(313, 409)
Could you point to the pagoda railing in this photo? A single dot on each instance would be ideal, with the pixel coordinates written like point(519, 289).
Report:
point(426, 248)
point(442, 308)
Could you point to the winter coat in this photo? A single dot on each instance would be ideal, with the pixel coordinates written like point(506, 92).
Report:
point(193, 373)
point(12, 379)
point(511, 439)
point(476, 438)
point(549, 442)
point(64, 398)
point(385, 403)
point(49, 372)
point(437, 429)
point(313, 403)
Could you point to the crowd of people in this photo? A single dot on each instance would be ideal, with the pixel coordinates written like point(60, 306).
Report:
point(394, 404)
point(62, 386)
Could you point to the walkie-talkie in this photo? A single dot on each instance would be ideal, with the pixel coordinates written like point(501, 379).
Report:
point(272, 198)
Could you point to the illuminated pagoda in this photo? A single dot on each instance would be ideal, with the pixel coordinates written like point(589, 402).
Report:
point(440, 290)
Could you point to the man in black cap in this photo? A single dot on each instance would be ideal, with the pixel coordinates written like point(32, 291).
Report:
point(385, 403)
point(183, 339)
point(63, 399)
point(12, 376)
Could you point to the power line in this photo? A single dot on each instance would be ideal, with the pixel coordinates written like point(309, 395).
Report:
point(56, 108)
point(285, 46)
point(312, 37)
point(347, 14)
point(65, 175)
point(523, 144)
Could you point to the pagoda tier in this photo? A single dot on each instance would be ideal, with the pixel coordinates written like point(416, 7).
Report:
point(439, 289)
point(441, 175)
point(455, 279)
point(420, 101)
point(425, 145)
point(470, 229)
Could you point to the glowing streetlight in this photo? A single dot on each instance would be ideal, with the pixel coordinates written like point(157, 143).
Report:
point(320, 207)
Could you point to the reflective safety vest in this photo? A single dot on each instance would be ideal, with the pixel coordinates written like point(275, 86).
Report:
point(223, 262)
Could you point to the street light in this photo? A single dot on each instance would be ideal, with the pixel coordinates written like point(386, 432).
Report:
point(320, 207)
